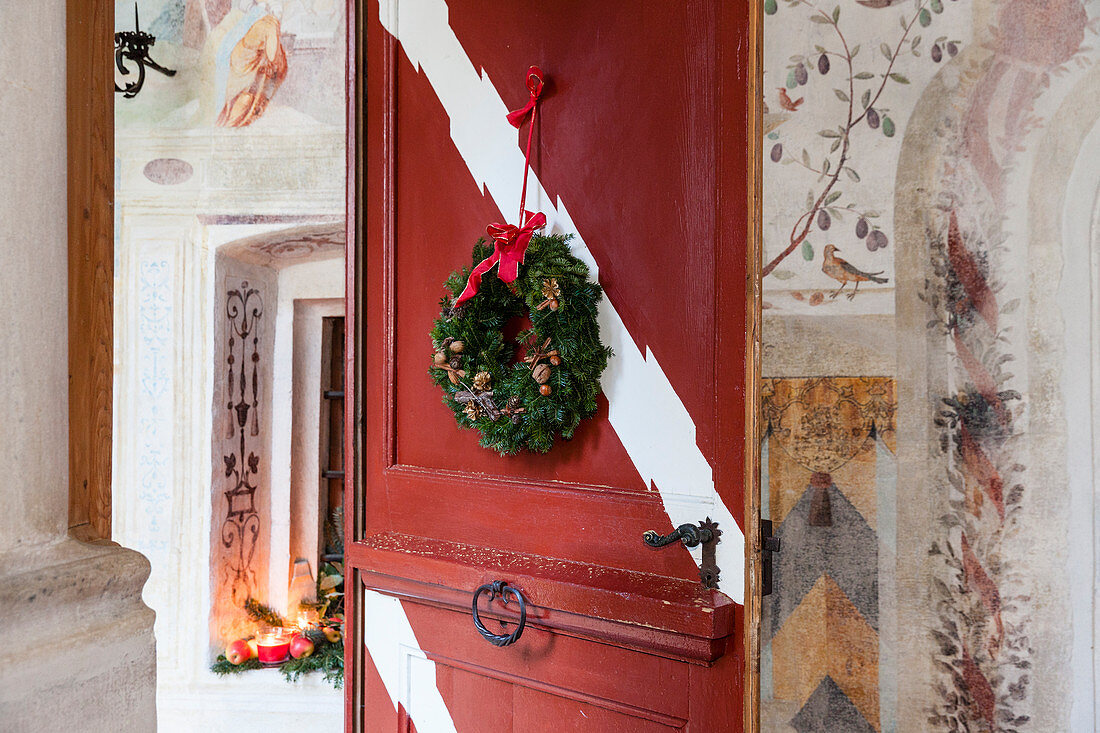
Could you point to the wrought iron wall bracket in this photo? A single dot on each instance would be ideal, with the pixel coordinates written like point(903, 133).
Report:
point(706, 533)
point(134, 46)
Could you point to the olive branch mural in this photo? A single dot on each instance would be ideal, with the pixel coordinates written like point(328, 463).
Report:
point(860, 92)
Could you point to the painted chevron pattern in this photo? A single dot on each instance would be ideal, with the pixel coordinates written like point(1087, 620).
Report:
point(829, 460)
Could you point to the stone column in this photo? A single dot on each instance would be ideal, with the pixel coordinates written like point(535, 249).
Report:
point(77, 651)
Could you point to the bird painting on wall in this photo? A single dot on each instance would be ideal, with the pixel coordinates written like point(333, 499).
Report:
point(844, 272)
point(787, 103)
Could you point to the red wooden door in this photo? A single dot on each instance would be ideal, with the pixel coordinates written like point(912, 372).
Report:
point(642, 153)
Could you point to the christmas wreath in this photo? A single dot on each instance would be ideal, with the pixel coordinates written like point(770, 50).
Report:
point(520, 394)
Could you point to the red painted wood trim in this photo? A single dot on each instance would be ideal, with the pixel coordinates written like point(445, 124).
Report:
point(660, 615)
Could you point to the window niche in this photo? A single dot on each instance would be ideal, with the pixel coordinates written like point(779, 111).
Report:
point(278, 303)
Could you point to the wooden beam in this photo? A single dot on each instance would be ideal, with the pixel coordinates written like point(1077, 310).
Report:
point(753, 341)
point(90, 107)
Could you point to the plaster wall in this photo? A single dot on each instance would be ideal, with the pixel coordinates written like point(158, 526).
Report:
point(261, 193)
point(978, 515)
point(295, 408)
point(307, 512)
point(75, 625)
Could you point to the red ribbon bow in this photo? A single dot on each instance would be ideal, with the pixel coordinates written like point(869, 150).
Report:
point(509, 241)
point(534, 86)
point(509, 247)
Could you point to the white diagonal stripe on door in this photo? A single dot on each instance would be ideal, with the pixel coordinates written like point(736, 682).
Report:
point(664, 449)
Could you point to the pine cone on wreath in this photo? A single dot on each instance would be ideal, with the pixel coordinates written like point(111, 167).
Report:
point(483, 381)
point(552, 293)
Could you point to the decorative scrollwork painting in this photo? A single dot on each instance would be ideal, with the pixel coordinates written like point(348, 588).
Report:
point(243, 308)
point(239, 534)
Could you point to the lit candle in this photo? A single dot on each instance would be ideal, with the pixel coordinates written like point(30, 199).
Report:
point(273, 646)
point(303, 621)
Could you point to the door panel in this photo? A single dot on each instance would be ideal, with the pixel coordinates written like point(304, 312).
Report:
point(432, 177)
point(555, 682)
point(641, 151)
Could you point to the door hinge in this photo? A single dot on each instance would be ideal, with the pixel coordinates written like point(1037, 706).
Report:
point(768, 544)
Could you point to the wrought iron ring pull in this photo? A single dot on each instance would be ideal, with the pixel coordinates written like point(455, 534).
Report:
point(502, 589)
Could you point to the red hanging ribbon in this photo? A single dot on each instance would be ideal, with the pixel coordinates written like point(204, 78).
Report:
point(534, 86)
point(509, 241)
point(509, 247)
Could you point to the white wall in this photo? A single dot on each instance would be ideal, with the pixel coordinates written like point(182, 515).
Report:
point(167, 300)
point(323, 280)
point(78, 650)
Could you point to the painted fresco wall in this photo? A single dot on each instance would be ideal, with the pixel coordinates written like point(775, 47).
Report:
point(919, 463)
point(230, 171)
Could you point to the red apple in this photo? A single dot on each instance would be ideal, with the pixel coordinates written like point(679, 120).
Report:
point(300, 646)
point(238, 652)
point(253, 646)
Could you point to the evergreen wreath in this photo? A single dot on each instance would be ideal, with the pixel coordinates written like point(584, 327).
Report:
point(523, 403)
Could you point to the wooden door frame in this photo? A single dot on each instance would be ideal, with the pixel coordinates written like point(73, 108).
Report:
point(355, 259)
point(753, 341)
point(91, 191)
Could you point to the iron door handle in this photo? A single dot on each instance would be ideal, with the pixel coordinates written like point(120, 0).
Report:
point(502, 589)
point(706, 533)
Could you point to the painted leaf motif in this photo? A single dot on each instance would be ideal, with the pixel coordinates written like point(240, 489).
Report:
point(807, 251)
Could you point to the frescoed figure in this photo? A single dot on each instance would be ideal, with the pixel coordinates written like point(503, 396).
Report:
point(250, 63)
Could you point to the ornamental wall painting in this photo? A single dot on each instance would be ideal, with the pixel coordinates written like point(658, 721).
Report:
point(837, 95)
point(239, 60)
point(963, 507)
point(250, 65)
point(240, 494)
point(829, 470)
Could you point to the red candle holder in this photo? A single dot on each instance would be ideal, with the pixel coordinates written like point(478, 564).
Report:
point(273, 646)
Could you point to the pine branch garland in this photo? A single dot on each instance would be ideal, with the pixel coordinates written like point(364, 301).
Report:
point(327, 657)
point(223, 666)
point(262, 613)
